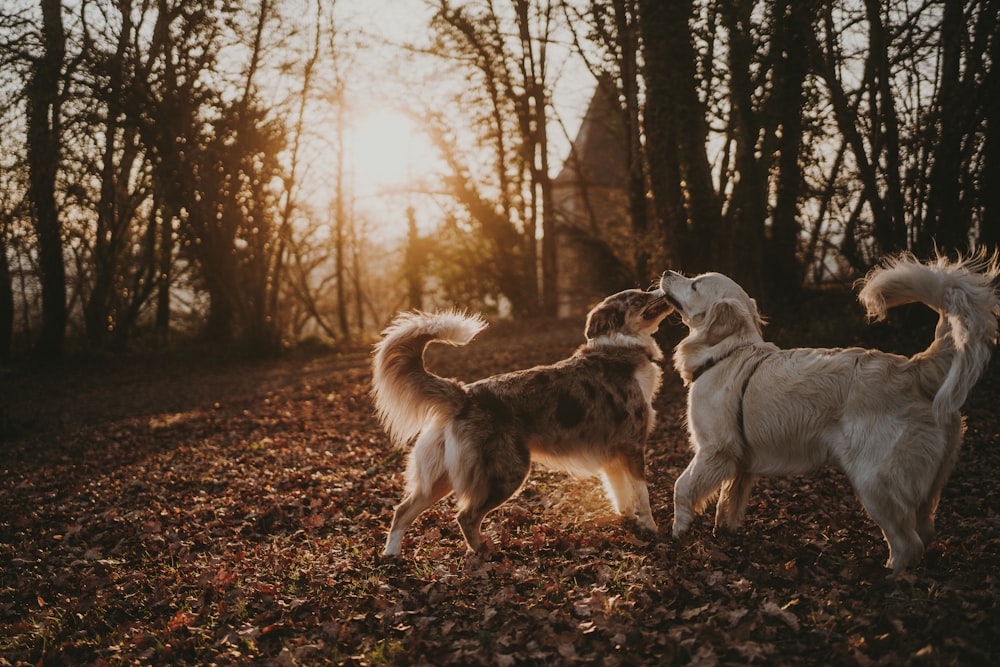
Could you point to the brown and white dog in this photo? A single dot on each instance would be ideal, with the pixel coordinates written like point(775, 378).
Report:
point(891, 423)
point(589, 414)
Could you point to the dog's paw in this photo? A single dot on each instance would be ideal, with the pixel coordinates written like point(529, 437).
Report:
point(388, 559)
point(642, 526)
point(722, 530)
point(476, 560)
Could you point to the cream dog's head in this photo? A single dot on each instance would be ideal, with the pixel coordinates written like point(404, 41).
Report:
point(630, 313)
point(714, 307)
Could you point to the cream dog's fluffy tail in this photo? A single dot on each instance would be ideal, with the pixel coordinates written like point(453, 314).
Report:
point(962, 293)
point(405, 393)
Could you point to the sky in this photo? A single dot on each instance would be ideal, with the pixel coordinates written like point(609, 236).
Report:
point(388, 151)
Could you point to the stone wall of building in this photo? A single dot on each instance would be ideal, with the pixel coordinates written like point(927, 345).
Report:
point(590, 206)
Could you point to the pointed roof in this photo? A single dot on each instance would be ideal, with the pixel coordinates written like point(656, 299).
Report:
point(598, 154)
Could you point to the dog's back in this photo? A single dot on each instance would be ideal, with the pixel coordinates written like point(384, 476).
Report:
point(567, 413)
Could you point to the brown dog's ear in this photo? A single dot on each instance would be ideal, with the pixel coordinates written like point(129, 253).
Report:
point(725, 319)
point(606, 318)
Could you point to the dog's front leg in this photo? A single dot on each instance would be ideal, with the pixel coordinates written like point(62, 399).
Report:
point(683, 508)
point(645, 514)
point(695, 486)
point(626, 488)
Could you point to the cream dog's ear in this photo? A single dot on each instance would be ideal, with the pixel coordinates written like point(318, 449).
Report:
point(605, 319)
point(757, 318)
point(727, 318)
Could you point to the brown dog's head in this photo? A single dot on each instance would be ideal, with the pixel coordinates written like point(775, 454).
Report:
point(712, 305)
point(629, 313)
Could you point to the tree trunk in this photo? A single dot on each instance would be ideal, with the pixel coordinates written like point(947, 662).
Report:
point(739, 249)
point(43, 151)
point(947, 223)
point(550, 264)
point(221, 315)
point(989, 194)
point(165, 262)
point(100, 317)
point(6, 302)
point(340, 224)
point(823, 63)
point(682, 184)
point(628, 42)
point(531, 63)
point(890, 228)
point(784, 272)
point(412, 263)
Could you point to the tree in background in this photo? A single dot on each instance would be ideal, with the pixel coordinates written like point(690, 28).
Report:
point(44, 100)
point(613, 59)
point(174, 175)
point(162, 159)
point(504, 50)
point(6, 290)
point(988, 195)
point(788, 140)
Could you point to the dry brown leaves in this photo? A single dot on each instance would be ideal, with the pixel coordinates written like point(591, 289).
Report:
point(231, 513)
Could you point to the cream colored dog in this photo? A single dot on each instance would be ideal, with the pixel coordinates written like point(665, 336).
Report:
point(891, 423)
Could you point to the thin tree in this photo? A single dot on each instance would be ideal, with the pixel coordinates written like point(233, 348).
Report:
point(534, 21)
point(291, 179)
point(784, 272)
point(505, 47)
point(339, 207)
point(960, 109)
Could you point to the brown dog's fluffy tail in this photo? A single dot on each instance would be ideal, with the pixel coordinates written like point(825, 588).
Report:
point(962, 293)
point(405, 393)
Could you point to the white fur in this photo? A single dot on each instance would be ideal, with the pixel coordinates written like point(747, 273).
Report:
point(619, 339)
point(891, 423)
point(399, 404)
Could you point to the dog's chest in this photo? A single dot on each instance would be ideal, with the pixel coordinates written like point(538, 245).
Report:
point(649, 377)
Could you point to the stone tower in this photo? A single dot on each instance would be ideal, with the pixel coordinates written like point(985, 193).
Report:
point(590, 205)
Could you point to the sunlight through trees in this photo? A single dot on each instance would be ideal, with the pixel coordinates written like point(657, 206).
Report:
point(260, 173)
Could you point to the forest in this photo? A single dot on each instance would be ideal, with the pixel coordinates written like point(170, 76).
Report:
point(191, 169)
point(209, 210)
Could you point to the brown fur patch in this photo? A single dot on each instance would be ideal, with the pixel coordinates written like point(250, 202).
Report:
point(589, 414)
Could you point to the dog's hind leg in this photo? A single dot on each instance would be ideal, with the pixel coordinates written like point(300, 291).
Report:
point(427, 482)
point(624, 481)
point(696, 485)
point(898, 526)
point(413, 505)
point(953, 433)
point(733, 501)
point(490, 481)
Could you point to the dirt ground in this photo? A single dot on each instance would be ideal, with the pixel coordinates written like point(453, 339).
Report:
point(198, 510)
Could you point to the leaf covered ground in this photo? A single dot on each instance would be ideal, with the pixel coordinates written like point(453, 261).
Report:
point(219, 512)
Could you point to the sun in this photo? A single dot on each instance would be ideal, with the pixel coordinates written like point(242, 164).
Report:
point(388, 153)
